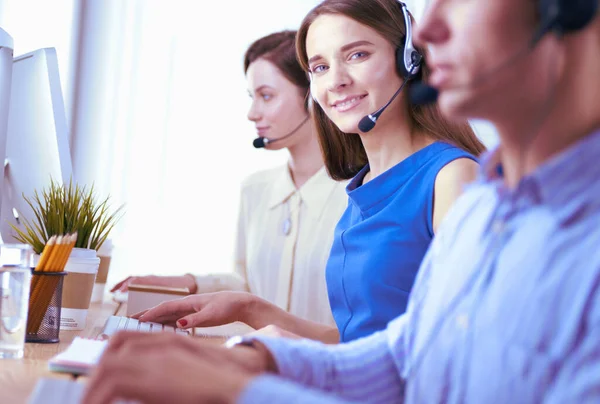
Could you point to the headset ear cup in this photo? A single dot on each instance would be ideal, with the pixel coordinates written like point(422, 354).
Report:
point(565, 16)
point(400, 62)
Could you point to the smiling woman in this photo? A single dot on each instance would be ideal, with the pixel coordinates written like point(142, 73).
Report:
point(364, 53)
point(405, 173)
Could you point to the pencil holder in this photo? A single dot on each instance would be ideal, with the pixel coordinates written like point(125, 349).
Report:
point(45, 301)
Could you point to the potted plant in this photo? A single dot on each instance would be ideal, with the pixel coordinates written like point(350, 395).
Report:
point(63, 209)
point(71, 209)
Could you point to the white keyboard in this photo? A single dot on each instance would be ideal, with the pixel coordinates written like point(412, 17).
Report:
point(118, 323)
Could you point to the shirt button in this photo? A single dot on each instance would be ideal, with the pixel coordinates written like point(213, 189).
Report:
point(462, 321)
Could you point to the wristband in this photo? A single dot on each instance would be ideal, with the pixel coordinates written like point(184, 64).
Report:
point(239, 340)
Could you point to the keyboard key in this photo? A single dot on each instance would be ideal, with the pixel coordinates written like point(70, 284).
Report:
point(144, 327)
point(112, 325)
point(117, 323)
point(122, 322)
point(132, 324)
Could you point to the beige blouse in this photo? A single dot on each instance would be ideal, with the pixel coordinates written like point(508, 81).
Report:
point(283, 240)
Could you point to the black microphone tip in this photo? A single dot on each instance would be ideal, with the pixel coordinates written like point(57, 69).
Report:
point(366, 124)
point(423, 94)
point(259, 142)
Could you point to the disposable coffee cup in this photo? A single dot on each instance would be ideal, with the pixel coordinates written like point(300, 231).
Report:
point(105, 255)
point(82, 268)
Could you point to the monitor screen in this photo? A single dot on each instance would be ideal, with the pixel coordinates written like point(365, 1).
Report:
point(37, 141)
point(6, 61)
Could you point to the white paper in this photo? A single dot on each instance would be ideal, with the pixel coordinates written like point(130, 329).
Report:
point(79, 357)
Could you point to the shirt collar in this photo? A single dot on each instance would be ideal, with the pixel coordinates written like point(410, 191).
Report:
point(282, 187)
point(565, 182)
point(313, 193)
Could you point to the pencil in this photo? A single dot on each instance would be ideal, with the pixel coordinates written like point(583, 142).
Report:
point(46, 253)
point(41, 285)
point(46, 287)
point(43, 260)
point(69, 242)
point(38, 285)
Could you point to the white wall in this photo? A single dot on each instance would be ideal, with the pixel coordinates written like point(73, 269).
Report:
point(161, 105)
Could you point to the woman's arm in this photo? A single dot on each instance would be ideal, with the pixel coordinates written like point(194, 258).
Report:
point(182, 281)
point(195, 284)
point(449, 185)
point(260, 314)
point(220, 282)
point(212, 309)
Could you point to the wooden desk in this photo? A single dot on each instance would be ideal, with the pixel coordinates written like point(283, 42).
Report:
point(19, 376)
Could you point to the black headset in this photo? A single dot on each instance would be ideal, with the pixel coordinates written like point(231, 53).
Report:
point(408, 59)
point(565, 16)
point(557, 16)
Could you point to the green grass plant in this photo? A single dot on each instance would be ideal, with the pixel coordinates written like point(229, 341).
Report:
point(66, 209)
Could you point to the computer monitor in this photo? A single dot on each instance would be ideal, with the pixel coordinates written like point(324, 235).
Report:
point(6, 61)
point(37, 142)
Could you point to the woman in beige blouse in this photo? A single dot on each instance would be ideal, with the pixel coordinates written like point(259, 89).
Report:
point(287, 214)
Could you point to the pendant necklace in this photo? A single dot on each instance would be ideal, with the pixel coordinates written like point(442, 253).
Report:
point(287, 223)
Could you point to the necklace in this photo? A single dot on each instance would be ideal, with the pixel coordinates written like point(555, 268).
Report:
point(287, 223)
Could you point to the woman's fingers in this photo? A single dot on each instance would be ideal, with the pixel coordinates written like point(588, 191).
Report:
point(172, 310)
point(139, 314)
point(202, 318)
point(120, 284)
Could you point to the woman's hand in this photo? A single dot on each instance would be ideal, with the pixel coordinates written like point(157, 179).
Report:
point(205, 310)
point(213, 309)
point(165, 367)
point(274, 331)
point(184, 281)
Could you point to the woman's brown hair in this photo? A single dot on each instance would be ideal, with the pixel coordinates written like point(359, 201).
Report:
point(344, 153)
point(279, 49)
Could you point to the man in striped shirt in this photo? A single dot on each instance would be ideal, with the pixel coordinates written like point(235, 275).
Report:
point(506, 306)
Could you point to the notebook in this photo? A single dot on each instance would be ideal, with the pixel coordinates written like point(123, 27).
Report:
point(79, 358)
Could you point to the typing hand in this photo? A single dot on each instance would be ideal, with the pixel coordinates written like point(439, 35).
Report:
point(205, 310)
point(164, 367)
